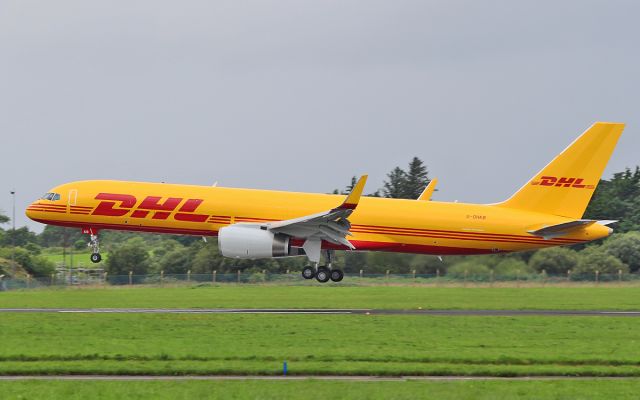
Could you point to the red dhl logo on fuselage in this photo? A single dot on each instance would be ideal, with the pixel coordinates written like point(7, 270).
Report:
point(119, 205)
point(562, 182)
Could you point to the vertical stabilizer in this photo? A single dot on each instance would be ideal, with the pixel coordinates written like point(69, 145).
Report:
point(565, 186)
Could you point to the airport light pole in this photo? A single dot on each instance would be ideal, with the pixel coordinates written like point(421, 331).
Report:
point(13, 234)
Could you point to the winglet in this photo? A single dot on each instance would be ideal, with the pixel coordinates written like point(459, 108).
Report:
point(354, 197)
point(428, 191)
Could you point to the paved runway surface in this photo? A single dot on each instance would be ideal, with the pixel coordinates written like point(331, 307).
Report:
point(487, 313)
point(296, 378)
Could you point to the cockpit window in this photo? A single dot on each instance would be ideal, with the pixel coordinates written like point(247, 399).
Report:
point(51, 196)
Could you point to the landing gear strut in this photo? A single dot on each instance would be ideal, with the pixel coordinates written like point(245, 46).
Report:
point(95, 249)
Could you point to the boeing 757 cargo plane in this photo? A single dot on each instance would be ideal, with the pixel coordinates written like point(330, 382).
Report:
point(546, 211)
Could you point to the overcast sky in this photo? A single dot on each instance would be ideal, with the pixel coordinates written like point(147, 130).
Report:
point(301, 95)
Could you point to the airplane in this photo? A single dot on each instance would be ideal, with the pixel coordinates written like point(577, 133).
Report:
point(249, 224)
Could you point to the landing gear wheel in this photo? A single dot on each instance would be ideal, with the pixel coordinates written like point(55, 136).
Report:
point(96, 258)
point(323, 275)
point(308, 273)
point(336, 275)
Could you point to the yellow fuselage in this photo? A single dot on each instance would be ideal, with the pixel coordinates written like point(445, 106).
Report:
point(410, 226)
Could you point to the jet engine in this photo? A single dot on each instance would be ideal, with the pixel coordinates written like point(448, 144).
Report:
point(250, 241)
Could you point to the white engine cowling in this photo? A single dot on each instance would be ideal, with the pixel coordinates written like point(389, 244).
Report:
point(239, 241)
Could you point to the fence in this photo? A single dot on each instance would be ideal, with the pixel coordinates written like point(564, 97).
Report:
point(293, 278)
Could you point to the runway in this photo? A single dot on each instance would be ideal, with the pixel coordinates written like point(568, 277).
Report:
point(322, 311)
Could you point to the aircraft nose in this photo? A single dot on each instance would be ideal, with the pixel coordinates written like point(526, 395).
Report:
point(29, 212)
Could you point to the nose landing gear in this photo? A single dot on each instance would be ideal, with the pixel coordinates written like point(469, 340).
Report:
point(94, 243)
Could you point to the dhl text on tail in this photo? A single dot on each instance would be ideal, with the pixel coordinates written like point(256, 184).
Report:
point(546, 211)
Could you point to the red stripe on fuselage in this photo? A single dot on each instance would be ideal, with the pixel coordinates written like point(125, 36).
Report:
point(46, 210)
point(462, 236)
point(398, 230)
point(360, 244)
point(137, 228)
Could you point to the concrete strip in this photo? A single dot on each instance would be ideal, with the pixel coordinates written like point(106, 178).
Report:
point(358, 311)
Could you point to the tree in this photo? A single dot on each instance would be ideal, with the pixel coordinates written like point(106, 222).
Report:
point(554, 260)
point(619, 199)
point(177, 261)
point(407, 184)
point(131, 256)
point(3, 218)
point(55, 236)
point(394, 187)
point(18, 237)
point(416, 179)
point(626, 248)
point(207, 259)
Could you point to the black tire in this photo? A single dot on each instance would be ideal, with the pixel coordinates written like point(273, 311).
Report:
point(96, 258)
point(337, 275)
point(308, 273)
point(323, 275)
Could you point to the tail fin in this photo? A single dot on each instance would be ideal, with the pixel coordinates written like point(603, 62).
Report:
point(565, 186)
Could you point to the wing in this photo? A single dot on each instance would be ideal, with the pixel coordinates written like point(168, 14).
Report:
point(331, 225)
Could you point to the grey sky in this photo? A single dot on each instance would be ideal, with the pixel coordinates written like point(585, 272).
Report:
point(301, 95)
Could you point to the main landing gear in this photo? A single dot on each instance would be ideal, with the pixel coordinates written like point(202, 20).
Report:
point(323, 273)
point(95, 248)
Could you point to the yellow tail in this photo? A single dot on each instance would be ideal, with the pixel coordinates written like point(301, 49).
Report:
point(565, 186)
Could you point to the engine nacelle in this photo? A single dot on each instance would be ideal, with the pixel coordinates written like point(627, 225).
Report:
point(240, 241)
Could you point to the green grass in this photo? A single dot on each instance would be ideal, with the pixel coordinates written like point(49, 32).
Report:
point(317, 344)
point(76, 258)
point(333, 296)
point(314, 389)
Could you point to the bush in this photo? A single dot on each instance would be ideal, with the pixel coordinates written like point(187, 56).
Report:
point(554, 260)
point(596, 258)
point(512, 268)
point(473, 270)
point(626, 248)
point(33, 264)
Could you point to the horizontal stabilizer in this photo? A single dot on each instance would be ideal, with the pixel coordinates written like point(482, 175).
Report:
point(553, 231)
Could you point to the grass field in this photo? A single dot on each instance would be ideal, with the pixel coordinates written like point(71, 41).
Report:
point(384, 345)
point(611, 297)
point(75, 258)
point(317, 344)
point(252, 389)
